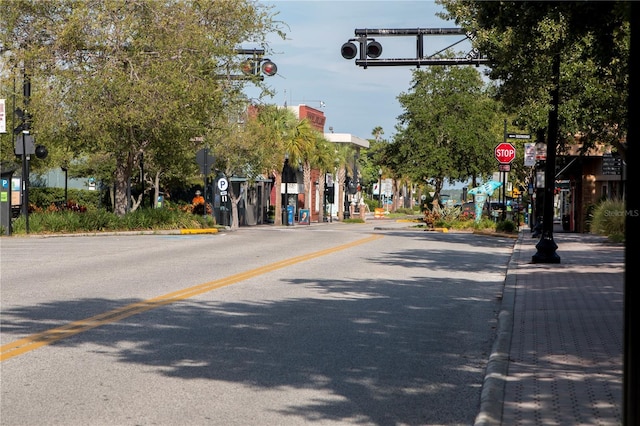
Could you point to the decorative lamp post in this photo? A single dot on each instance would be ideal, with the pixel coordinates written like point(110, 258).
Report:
point(288, 175)
point(380, 187)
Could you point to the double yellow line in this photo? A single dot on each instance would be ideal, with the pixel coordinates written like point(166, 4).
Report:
point(47, 337)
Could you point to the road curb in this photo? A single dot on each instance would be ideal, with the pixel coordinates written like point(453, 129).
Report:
point(199, 231)
point(492, 396)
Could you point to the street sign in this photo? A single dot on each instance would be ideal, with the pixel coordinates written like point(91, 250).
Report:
point(223, 184)
point(505, 153)
point(529, 154)
point(518, 136)
point(25, 141)
point(205, 161)
point(504, 167)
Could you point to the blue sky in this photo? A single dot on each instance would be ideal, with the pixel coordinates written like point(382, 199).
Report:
point(311, 68)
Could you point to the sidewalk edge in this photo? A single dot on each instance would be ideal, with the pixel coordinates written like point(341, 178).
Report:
point(492, 396)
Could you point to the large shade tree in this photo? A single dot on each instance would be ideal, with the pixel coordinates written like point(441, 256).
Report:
point(448, 129)
point(591, 40)
point(127, 79)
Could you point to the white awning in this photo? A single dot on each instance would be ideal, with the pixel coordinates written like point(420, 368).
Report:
point(346, 138)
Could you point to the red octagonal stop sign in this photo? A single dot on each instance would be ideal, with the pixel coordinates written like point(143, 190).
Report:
point(505, 153)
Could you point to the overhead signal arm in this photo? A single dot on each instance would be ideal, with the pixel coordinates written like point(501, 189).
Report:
point(370, 49)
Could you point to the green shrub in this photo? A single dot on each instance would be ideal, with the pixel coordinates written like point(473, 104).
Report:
point(66, 221)
point(484, 224)
point(43, 197)
point(506, 226)
point(372, 204)
point(406, 211)
point(608, 219)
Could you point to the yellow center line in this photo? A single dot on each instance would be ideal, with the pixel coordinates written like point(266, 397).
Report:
point(34, 341)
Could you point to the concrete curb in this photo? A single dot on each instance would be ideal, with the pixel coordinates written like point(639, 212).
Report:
point(492, 396)
point(199, 231)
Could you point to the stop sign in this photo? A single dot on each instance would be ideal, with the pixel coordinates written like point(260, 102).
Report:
point(505, 153)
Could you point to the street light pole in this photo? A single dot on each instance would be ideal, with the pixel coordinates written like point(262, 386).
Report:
point(380, 188)
point(546, 246)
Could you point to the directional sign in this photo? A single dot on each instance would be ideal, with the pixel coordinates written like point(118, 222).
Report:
point(518, 136)
point(505, 153)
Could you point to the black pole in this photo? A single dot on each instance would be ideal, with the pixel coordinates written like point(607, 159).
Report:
point(547, 246)
point(380, 189)
point(142, 179)
point(503, 175)
point(204, 186)
point(25, 184)
point(631, 381)
point(66, 198)
point(26, 92)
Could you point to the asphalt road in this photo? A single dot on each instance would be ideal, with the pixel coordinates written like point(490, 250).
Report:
point(333, 324)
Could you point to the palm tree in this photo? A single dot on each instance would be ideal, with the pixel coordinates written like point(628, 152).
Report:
point(276, 125)
point(322, 159)
point(343, 160)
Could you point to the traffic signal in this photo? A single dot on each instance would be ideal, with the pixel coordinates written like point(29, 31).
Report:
point(269, 68)
point(248, 67)
point(25, 121)
point(368, 48)
point(41, 152)
point(374, 49)
point(255, 66)
point(349, 50)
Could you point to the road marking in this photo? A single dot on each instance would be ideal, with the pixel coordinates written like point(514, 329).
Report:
point(34, 341)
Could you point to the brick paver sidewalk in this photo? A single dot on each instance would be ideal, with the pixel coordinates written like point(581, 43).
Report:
point(565, 361)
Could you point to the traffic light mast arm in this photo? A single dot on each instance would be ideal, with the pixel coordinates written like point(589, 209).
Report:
point(366, 59)
point(419, 62)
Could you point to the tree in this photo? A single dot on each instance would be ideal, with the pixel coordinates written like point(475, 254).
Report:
point(129, 79)
point(322, 159)
point(447, 130)
point(300, 147)
point(520, 40)
point(242, 148)
point(288, 138)
point(343, 160)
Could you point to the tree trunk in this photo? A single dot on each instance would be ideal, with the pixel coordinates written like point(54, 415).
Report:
point(306, 177)
point(277, 219)
point(120, 187)
point(235, 200)
point(156, 190)
point(321, 184)
point(339, 191)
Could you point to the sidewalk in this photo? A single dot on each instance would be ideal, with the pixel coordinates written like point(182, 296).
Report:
point(558, 356)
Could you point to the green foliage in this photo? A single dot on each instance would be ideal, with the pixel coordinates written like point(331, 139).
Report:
point(608, 219)
point(506, 226)
point(448, 128)
point(372, 203)
point(103, 221)
point(120, 83)
point(521, 38)
point(44, 197)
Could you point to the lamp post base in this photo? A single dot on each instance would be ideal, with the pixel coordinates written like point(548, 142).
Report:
point(546, 250)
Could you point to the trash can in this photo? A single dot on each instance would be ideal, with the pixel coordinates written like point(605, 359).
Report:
point(289, 215)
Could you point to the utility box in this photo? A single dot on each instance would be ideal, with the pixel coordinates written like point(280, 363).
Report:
point(6, 174)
